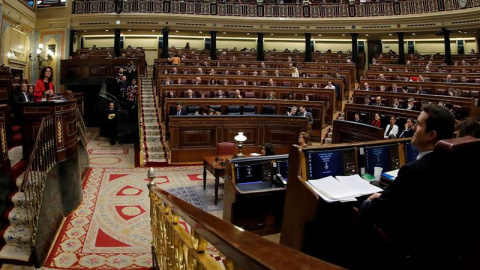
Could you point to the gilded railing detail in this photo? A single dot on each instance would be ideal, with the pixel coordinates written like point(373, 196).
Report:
point(41, 160)
point(82, 128)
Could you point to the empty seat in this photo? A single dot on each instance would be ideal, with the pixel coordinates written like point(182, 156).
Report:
point(233, 110)
point(217, 108)
point(249, 109)
point(465, 93)
point(287, 84)
point(191, 110)
point(440, 92)
point(225, 148)
point(474, 93)
point(249, 94)
point(268, 110)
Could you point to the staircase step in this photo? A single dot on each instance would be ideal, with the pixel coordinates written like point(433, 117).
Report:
point(153, 133)
point(18, 217)
point(153, 138)
point(18, 199)
point(155, 149)
point(17, 236)
point(15, 253)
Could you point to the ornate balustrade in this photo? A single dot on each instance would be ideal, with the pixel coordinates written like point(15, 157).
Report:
point(329, 10)
point(175, 247)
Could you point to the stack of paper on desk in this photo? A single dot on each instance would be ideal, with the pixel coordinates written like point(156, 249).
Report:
point(342, 188)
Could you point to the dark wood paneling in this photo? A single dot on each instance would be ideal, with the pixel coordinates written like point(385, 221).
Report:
point(190, 142)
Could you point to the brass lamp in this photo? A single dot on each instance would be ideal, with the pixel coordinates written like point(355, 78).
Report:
point(240, 139)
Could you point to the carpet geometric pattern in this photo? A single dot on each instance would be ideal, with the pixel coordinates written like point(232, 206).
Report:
point(111, 229)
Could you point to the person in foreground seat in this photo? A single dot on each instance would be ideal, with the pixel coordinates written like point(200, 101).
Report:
point(408, 209)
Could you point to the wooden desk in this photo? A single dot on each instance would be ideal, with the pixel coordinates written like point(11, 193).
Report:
point(214, 167)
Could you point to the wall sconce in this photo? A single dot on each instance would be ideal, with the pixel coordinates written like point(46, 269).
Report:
point(39, 57)
point(240, 139)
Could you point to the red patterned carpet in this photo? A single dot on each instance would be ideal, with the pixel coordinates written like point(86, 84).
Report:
point(111, 229)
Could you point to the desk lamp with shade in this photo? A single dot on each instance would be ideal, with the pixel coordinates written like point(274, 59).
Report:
point(240, 139)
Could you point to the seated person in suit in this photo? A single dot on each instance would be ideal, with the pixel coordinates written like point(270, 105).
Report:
point(408, 131)
point(197, 81)
point(357, 118)
point(303, 112)
point(396, 104)
point(271, 95)
point(378, 101)
point(189, 94)
point(167, 81)
point(179, 110)
point(23, 96)
point(330, 86)
point(219, 94)
point(292, 111)
point(237, 94)
point(368, 100)
point(366, 87)
point(271, 83)
point(411, 105)
point(392, 130)
point(170, 94)
point(410, 211)
point(395, 88)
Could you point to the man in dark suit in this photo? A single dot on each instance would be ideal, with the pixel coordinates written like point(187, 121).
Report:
point(409, 209)
point(303, 112)
point(408, 131)
point(179, 110)
point(23, 95)
point(189, 94)
point(357, 119)
point(378, 101)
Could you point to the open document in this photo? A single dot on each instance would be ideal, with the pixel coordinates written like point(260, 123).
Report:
point(342, 188)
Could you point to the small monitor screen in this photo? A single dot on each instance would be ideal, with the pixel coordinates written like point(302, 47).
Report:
point(251, 172)
point(385, 156)
point(411, 152)
point(323, 163)
point(282, 168)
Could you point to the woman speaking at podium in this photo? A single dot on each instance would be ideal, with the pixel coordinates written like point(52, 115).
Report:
point(44, 87)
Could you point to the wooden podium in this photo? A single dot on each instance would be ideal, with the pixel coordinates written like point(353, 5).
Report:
point(65, 119)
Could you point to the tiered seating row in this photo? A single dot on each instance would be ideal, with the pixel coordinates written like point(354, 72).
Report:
point(251, 92)
point(286, 82)
point(463, 107)
point(435, 88)
point(268, 64)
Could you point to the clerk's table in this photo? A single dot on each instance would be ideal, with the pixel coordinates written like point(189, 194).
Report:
point(214, 166)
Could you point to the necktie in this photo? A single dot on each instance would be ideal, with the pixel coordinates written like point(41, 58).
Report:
point(178, 113)
point(26, 96)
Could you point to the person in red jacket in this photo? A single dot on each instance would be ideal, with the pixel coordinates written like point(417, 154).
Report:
point(376, 122)
point(44, 86)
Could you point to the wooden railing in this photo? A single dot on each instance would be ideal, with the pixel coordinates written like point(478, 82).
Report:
point(214, 8)
point(175, 247)
point(41, 160)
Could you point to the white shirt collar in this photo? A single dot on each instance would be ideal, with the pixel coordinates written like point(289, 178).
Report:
point(424, 153)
